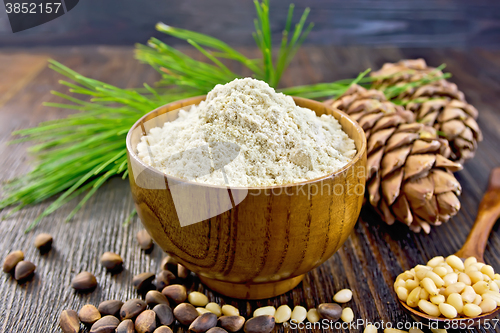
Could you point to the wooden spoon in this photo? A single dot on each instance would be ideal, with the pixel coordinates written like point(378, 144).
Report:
point(489, 212)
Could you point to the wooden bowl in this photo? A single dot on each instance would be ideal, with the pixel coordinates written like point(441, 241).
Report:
point(259, 241)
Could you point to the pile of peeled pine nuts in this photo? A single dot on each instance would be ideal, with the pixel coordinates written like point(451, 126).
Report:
point(450, 288)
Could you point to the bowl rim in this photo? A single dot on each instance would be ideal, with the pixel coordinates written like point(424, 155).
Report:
point(359, 153)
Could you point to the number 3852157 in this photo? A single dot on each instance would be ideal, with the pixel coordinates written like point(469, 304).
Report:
point(33, 8)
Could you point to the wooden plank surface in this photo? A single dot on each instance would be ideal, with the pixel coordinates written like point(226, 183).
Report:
point(367, 263)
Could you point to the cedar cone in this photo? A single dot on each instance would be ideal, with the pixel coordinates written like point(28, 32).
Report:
point(439, 104)
point(409, 177)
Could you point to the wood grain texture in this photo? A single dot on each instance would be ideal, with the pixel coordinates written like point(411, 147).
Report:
point(368, 262)
point(255, 242)
point(452, 23)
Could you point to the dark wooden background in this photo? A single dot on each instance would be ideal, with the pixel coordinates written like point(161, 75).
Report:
point(367, 263)
point(410, 23)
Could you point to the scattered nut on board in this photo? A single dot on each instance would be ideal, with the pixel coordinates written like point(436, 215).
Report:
point(449, 287)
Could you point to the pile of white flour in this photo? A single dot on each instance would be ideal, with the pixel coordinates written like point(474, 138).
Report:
point(258, 136)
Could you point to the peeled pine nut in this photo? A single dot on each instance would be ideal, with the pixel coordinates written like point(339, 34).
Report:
point(420, 271)
point(393, 330)
point(313, 315)
point(429, 308)
point(214, 308)
point(488, 305)
point(477, 300)
point(415, 330)
point(413, 297)
point(448, 268)
point(423, 294)
point(476, 277)
point(488, 270)
point(299, 314)
point(283, 313)
point(399, 283)
point(455, 262)
point(438, 330)
point(464, 278)
point(493, 295)
point(494, 286)
point(472, 310)
point(201, 310)
point(435, 261)
point(402, 293)
point(438, 299)
point(468, 295)
point(481, 287)
point(470, 261)
point(454, 288)
point(429, 286)
point(197, 299)
point(435, 278)
point(470, 269)
point(456, 301)
point(347, 315)
point(265, 310)
point(345, 295)
point(370, 329)
point(450, 279)
point(229, 310)
point(448, 310)
point(410, 285)
point(440, 270)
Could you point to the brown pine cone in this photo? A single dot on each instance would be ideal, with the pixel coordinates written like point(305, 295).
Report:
point(409, 177)
point(439, 104)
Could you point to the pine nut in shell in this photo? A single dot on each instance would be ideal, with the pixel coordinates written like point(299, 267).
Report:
point(85, 281)
point(126, 326)
point(164, 314)
point(163, 279)
point(24, 270)
point(111, 261)
point(132, 308)
point(229, 310)
point(111, 307)
point(260, 324)
point(347, 315)
point(216, 330)
point(144, 239)
point(330, 311)
point(283, 313)
point(106, 324)
point(154, 297)
point(231, 323)
point(146, 322)
point(313, 315)
point(175, 292)
point(197, 299)
point(163, 329)
point(89, 314)
point(203, 323)
point(143, 281)
point(185, 313)
point(69, 321)
point(12, 260)
point(299, 314)
point(43, 242)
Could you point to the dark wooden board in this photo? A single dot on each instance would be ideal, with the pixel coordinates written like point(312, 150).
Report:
point(367, 263)
point(425, 23)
